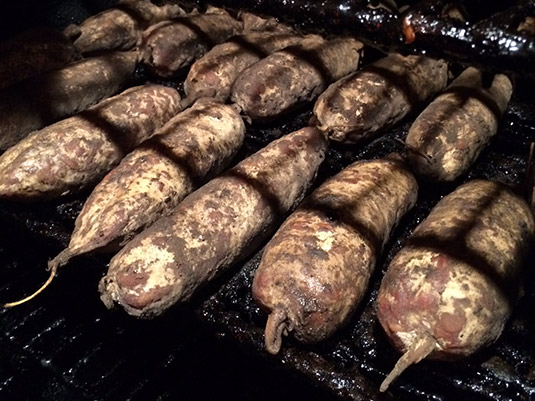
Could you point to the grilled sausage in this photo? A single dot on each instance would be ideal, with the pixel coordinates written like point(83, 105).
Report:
point(78, 151)
point(214, 73)
point(450, 290)
point(120, 27)
point(293, 76)
point(316, 269)
point(193, 146)
point(448, 136)
point(169, 47)
point(42, 100)
point(33, 52)
point(214, 227)
point(362, 104)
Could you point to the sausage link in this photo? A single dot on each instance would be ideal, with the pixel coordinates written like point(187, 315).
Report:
point(448, 136)
point(450, 290)
point(214, 73)
point(295, 75)
point(150, 181)
point(39, 101)
point(315, 270)
point(33, 52)
point(78, 151)
point(214, 227)
point(119, 27)
point(359, 106)
point(169, 47)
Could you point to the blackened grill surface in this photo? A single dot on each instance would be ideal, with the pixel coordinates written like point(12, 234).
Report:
point(65, 345)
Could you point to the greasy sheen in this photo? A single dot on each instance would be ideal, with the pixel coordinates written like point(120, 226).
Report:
point(214, 227)
point(78, 151)
point(448, 136)
point(359, 106)
point(316, 268)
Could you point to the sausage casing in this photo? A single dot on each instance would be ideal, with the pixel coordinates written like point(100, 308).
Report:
point(448, 136)
point(316, 268)
point(214, 73)
point(42, 100)
point(450, 290)
point(78, 151)
point(169, 47)
point(295, 75)
point(359, 106)
point(213, 227)
point(151, 180)
point(120, 27)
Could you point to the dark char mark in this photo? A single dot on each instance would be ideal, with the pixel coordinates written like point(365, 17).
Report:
point(455, 247)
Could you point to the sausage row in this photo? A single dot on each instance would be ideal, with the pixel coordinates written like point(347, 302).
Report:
point(316, 268)
point(214, 227)
point(189, 149)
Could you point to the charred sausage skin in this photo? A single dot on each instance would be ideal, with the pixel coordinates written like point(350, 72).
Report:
point(448, 136)
point(169, 47)
point(120, 27)
point(214, 73)
point(33, 52)
point(214, 227)
point(78, 151)
point(316, 269)
point(295, 75)
point(450, 290)
point(359, 106)
point(39, 101)
point(151, 180)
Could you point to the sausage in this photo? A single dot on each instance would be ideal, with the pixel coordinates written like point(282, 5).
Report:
point(42, 100)
point(450, 289)
point(214, 73)
point(120, 27)
point(448, 136)
point(76, 152)
point(315, 270)
point(359, 106)
point(295, 75)
point(33, 52)
point(169, 47)
point(150, 181)
point(214, 227)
